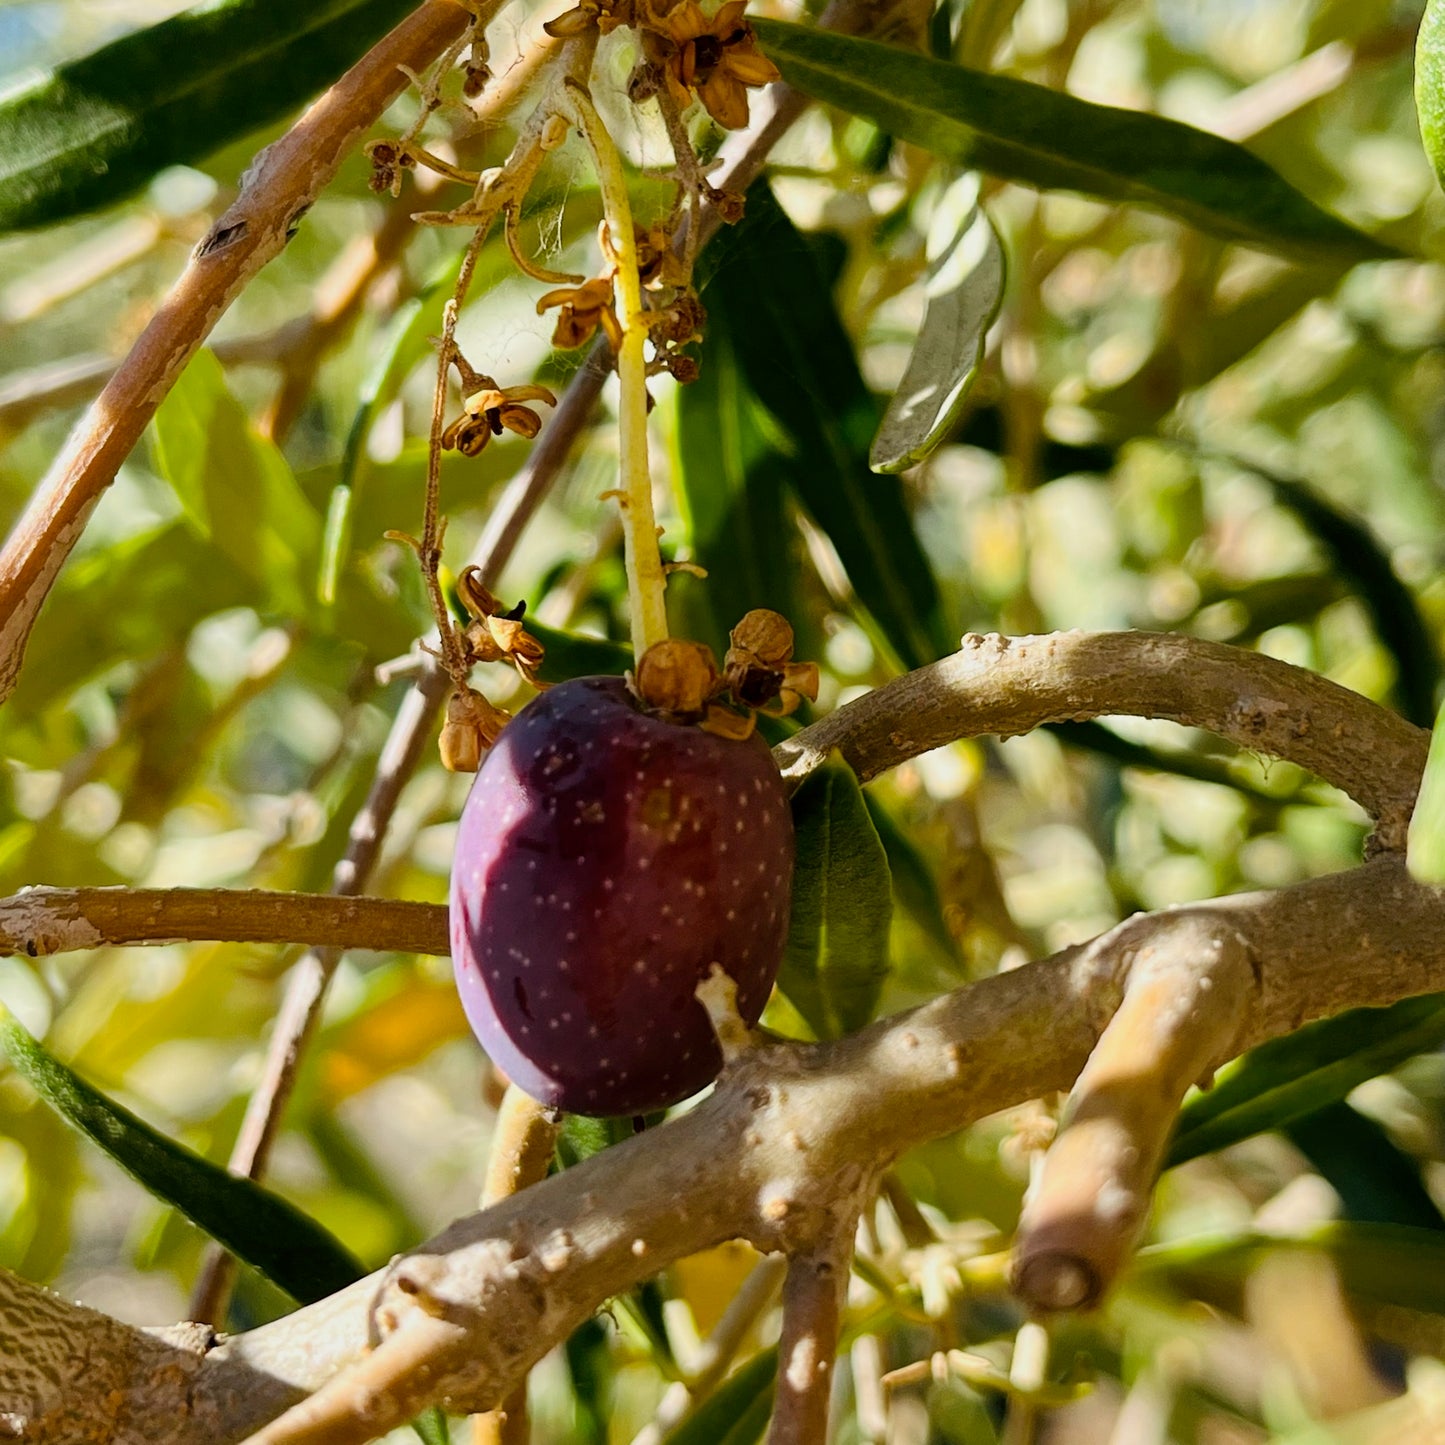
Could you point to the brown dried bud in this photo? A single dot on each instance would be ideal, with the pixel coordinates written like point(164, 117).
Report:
point(684, 369)
point(756, 663)
point(676, 676)
point(729, 205)
point(766, 634)
point(472, 726)
point(801, 678)
point(679, 322)
point(572, 22)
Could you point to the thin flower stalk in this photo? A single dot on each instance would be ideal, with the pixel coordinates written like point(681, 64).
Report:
point(646, 579)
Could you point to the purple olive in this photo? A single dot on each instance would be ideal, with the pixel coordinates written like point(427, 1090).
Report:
point(605, 860)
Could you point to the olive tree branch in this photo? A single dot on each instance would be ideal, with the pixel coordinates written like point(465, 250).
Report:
point(521, 1153)
point(285, 179)
point(37, 922)
point(1007, 686)
point(508, 1283)
point(484, 1300)
point(812, 1308)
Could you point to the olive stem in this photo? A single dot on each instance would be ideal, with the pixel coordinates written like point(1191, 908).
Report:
point(646, 580)
point(521, 1153)
point(812, 1306)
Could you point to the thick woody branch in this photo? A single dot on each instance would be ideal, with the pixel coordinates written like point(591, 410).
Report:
point(788, 1132)
point(1008, 686)
point(1188, 987)
point(284, 182)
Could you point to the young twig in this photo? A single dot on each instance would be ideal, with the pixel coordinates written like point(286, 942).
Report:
point(812, 1306)
point(286, 180)
point(39, 922)
point(1183, 1007)
point(646, 581)
point(521, 1153)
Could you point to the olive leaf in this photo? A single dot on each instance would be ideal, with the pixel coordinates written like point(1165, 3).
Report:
point(94, 130)
point(837, 952)
point(964, 292)
point(1430, 84)
point(258, 1227)
point(1289, 1078)
point(1050, 139)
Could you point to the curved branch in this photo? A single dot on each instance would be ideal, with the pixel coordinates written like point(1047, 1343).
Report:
point(1008, 686)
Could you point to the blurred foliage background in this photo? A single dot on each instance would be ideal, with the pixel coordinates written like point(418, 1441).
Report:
point(1167, 432)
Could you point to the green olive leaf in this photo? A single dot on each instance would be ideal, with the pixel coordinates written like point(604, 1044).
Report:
point(964, 291)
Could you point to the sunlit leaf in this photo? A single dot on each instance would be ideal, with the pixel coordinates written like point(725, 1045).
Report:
point(1290, 1077)
point(235, 487)
point(92, 131)
point(964, 291)
point(257, 1226)
point(1430, 84)
point(1050, 139)
point(837, 953)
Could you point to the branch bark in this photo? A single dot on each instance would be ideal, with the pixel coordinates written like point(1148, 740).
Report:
point(1007, 686)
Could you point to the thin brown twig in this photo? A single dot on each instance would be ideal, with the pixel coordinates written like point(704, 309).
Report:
point(282, 185)
point(39, 922)
point(521, 1154)
point(812, 1307)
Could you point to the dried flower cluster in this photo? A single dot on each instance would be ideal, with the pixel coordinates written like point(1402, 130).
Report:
point(682, 679)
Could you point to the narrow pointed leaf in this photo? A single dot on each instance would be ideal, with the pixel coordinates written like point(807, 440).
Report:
point(964, 290)
point(258, 1227)
point(837, 953)
point(1377, 1181)
point(798, 361)
point(1289, 1078)
point(736, 1413)
point(1050, 139)
point(96, 129)
point(733, 491)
